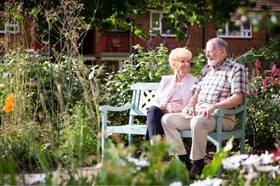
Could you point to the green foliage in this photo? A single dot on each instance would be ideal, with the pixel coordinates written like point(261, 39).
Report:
point(140, 67)
point(77, 141)
point(16, 144)
point(120, 168)
point(198, 62)
point(268, 55)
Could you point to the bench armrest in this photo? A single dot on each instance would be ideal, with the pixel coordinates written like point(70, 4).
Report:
point(104, 112)
point(218, 113)
point(106, 108)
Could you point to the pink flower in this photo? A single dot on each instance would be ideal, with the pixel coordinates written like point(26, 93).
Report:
point(258, 63)
point(276, 154)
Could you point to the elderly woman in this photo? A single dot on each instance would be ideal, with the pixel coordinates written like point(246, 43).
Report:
point(174, 91)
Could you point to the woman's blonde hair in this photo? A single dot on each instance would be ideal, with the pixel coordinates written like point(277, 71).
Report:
point(179, 54)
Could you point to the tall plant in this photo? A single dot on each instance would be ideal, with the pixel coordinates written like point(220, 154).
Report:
point(53, 100)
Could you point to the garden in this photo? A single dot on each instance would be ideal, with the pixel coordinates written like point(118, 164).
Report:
point(50, 119)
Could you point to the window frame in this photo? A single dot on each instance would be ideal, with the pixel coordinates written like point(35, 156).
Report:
point(159, 28)
point(243, 32)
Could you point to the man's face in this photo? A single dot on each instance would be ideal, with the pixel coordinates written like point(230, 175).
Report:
point(214, 54)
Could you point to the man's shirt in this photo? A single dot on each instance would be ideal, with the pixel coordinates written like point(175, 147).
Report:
point(221, 82)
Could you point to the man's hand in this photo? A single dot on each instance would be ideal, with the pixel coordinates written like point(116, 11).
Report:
point(208, 110)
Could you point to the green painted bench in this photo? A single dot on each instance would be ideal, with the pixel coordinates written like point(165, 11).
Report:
point(142, 96)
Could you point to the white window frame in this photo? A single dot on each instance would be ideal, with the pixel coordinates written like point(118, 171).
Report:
point(159, 28)
point(244, 33)
point(7, 27)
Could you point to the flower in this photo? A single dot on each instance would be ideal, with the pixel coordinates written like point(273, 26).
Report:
point(234, 161)
point(266, 158)
point(138, 163)
point(176, 183)
point(266, 168)
point(208, 182)
point(8, 106)
point(276, 154)
point(258, 63)
point(252, 160)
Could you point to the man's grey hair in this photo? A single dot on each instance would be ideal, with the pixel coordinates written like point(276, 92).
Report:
point(221, 44)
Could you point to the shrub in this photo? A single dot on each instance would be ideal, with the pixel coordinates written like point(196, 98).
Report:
point(263, 108)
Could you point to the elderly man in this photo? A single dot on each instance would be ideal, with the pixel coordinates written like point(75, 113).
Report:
point(223, 85)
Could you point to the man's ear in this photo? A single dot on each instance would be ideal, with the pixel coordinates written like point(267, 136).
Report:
point(224, 52)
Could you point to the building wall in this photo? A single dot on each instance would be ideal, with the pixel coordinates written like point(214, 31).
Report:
point(239, 46)
point(200, 35)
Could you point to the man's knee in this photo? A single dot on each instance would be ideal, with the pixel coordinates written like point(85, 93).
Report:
point(198, 122)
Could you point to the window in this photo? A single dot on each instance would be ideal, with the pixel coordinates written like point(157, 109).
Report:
point(235, 31)
point(160, 25)
point(12, 27)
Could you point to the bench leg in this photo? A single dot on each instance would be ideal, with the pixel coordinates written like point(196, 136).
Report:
point(102, 146)
point(218, 148)
point(242, 145)
point(129, 139)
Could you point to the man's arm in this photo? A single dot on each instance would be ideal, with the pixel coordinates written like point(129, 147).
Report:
point(230, 102)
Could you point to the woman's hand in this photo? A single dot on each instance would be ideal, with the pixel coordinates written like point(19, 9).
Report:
point(163, 106)
point(189, 110)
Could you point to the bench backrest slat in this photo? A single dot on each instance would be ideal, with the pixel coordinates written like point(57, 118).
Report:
point(143, 94)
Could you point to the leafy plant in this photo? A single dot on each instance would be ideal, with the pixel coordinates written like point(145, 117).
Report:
point(263, 123)
point(120, 167)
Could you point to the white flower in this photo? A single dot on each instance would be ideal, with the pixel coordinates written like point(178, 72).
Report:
point(275, 171)
point(273, 19)
point(233, 162)
point(266, 158)
point(176, 183)
point(252, 160)
point(208, 182)
point(138, 163)
point(264, 168)
point(251, 174)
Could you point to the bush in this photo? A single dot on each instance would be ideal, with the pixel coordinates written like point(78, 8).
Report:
point(264, 109)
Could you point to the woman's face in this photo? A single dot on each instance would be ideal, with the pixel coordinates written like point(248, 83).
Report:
point(182, 67)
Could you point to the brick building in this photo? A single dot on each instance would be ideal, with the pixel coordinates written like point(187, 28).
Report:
point(113, 46)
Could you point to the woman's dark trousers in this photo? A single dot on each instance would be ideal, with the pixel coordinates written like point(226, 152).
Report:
point(154, 126)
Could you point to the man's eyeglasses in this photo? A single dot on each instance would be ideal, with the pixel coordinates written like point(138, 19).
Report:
point(211, 51)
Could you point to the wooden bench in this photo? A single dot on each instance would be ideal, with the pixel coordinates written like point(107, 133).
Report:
point(143, 94)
